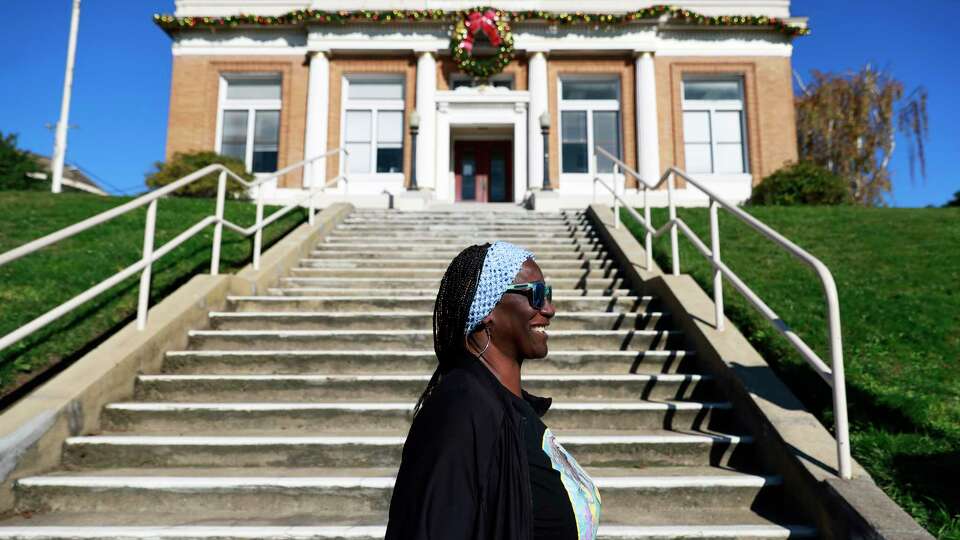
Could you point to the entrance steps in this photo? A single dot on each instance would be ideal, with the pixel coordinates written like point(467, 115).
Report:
point(285, 416)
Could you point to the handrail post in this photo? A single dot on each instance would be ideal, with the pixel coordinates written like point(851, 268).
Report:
point(648, 238)
point(148, 235)
point(258, 236)
point(346, 169)
point(674, 244)
point(218, 227)
point(841, 425)
point(616, 200)
point(311, 202)
point(715, 255)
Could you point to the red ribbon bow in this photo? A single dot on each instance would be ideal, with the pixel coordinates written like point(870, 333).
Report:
point(485, 22)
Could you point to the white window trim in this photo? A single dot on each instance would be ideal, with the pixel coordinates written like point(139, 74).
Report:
point(588, 106)
point(712, 107)
point(249, 105)
point(374, 105)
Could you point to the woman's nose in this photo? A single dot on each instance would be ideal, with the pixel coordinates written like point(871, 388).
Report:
point(548, 310)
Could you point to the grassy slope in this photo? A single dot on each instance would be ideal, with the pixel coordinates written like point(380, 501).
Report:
point(898, 272)
point(39, 282)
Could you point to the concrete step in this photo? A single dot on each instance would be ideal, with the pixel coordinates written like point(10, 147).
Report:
point(436, 272)
point(385, 282)
point(386, 266)
point(337, 291)
point(592, 449)
point(663, 524)
point(266, 418)
point(461, 241)
point(406, 387)
point(457, 220)
point(419, 303)
point(418, 340)
point(541, 249)
point(350, 252)
point(418, 320)
point(336, 494)
point(365, 361)
point(459, 228)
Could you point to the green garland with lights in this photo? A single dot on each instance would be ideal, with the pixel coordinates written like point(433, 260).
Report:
point(311, 17)
point(463, 34)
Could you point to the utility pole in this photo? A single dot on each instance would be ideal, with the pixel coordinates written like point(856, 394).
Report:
point(60, 145)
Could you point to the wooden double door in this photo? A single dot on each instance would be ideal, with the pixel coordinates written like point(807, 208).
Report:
point(484, 170)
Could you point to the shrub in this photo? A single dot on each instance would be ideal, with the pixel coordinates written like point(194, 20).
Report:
point(183, 164)
point(802, 183)
point(15, 164)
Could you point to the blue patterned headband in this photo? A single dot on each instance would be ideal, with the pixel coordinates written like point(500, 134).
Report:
point(500, 266)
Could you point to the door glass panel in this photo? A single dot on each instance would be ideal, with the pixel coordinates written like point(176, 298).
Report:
point(468, 181)
point(389, 141)
point(234, 139)
point(358, 135)
point(606, 134)
point(574, 135)
point(266, 141)
point(498, 176)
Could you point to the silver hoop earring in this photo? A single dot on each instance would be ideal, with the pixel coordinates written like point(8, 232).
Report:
point(489, 339)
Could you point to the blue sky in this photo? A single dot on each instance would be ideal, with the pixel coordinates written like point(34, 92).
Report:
point(122, 79)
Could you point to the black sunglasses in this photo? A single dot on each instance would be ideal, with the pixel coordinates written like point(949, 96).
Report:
point(537, 292)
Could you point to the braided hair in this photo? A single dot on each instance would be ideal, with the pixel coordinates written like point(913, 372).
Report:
point(450, 311)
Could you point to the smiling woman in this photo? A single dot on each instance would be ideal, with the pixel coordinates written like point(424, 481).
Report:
point(478, 462)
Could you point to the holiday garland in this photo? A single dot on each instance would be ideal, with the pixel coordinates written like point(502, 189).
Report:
point(487, 22)
point(312, 16)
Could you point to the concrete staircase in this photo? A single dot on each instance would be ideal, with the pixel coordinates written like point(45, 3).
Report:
point(285, 418)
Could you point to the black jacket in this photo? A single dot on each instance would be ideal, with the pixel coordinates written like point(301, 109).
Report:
point(464, 473)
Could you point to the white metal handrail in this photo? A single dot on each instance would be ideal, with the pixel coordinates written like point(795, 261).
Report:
point(151, 255)
point(833, 374)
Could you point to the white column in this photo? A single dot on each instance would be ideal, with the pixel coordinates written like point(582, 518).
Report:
point(318, 99)
point(537, 86)
point(648, 142)
point(427, 108)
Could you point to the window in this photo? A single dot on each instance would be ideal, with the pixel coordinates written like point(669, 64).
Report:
point(589, 116)
point(713, 126)
point(249, 123)
point(499, 81)
point(373, 123)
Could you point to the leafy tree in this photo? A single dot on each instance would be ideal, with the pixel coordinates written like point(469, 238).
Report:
point(848, 123)
point(801, 183)
point(15, 164)
point(955, 203)
point(182, 164)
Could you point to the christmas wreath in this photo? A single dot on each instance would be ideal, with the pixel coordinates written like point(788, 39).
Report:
point(487, 22)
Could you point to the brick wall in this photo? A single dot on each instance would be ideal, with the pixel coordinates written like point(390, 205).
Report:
point(768, 91)
point(621, 67)
point(768, 103)
point(194, 96)
point(345, 65)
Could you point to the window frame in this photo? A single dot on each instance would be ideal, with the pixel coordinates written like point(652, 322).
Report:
point(712, 107)
point(589, 106)
point(374, 106)
point(251, 106)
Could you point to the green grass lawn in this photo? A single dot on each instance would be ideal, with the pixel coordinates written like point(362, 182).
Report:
point(898, 273)
point(41, 281)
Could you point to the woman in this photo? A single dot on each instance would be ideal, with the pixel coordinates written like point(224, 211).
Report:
point(478, 462)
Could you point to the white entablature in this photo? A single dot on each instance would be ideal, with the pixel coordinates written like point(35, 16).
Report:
point(769, 8)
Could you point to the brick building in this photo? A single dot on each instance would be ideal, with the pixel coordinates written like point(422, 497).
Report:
point(654, 86)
